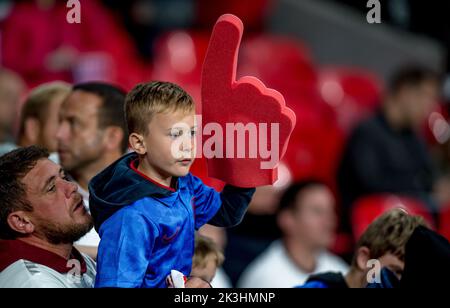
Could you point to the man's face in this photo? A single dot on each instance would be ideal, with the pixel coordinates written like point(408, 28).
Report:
point(58, 213)
point(49, 128)
point(315, 219)
point(170, 143)
point(418, 101)
point(80, 140)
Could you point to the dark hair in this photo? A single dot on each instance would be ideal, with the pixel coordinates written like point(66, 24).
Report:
point(14, 166)
point(289, 197)
point(146, 99)
point(111, 111)
point(412, 75)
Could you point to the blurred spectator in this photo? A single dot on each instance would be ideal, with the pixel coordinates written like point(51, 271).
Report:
point(91, 136)
point(307, 220)
point(208, 257)
point(40, 45)
point(41, 215)
point(248, 240)
point(39, 118)
point(385, 153)
point(11, 90)
point(219, 237)
point(384, 240)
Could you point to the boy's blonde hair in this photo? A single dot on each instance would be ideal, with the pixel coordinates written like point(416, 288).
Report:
point(389, 234)
point(147, 99)
point(204, 249)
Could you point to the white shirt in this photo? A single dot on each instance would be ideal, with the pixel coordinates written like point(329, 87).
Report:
point(91, 239)
point(26, 274)
point(275, 269)
point(221, 280)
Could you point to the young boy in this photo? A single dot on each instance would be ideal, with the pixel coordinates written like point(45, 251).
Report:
point(207, 258)
point(147, 205)
point(385, 240)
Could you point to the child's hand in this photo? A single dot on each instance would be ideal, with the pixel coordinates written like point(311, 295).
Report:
point(246, 101)
point(196, 283)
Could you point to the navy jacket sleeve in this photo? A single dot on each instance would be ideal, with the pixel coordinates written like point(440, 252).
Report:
point(222, 210)
point(235, 202)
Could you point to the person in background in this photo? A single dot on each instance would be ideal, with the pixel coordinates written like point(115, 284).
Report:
point(307, 219)
point(41, 215)
point(384, 240)
point(91, 135)
point(385, 153)
point(12, 88)
point(207, 258)
point(219, 237)
point(40, 116)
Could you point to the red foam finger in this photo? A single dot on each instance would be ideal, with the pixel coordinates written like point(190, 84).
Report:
point(248, 101)
point(225, 42)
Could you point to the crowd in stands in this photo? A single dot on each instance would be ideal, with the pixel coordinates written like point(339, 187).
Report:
point(366, 175)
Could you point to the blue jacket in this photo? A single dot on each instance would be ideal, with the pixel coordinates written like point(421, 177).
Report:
point(147, 229)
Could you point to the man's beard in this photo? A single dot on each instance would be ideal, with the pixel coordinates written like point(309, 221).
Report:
point(64, 234)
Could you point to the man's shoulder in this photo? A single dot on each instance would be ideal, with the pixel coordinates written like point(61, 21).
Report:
point(27, 274)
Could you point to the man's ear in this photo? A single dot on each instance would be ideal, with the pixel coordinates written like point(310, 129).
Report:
point(362, 257)
point(113, 138)
point(32, 129)
point(137, 143)
point(20, 222)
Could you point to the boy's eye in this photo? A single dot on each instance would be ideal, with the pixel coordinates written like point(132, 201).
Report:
point(52, 188)
point(176, 134)
point(193, 133)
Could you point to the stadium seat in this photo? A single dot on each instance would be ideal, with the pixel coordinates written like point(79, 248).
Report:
point(444, 222)
point(352, 93)
point(367, 209)
point(178, 58)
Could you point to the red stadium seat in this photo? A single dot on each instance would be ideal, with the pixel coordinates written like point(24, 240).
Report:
point(444, 222)
point(367, 209)
point(252, 12)
point(281, 63)
point(353, 93)
point(178, 58)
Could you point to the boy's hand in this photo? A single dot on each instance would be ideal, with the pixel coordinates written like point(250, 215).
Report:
point(246, 101)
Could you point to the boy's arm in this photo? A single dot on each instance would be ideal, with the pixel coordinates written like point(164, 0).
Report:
point(127, 240)
point(235, 201)
point(225, 209)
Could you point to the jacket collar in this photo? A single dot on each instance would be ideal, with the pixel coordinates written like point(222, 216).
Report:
point(15, 250)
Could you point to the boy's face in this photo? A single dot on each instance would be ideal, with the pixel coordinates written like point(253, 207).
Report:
point(169, 146)
point(393, 263)
point(208, 272)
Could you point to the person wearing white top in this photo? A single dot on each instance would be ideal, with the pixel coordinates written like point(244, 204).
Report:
point(307, 219)
point(275, 269)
